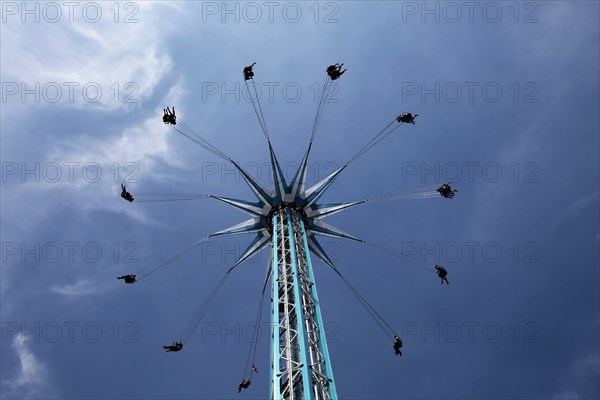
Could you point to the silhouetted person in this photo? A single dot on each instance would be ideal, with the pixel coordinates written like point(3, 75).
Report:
point(442, 273)
point(407, 118)
point(446, 191)
point(169, 116)
point(127, 278)
point(125, 194)
point(244, 385)
point(176, 346)
point(248, 73)
point(397, 346)
point(335, 71)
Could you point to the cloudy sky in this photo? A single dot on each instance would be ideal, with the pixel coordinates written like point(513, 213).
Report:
point(507, 95)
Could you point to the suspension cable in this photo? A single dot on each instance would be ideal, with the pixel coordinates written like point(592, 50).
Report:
point(379, 137)
point(188, 132)
point(191, 326)
point(389, 332)
point(161, 197)
point(403, 256)
point(169, 259)
point(320, 108)
point(257, 107)
point(254, 342)
point(423, 193)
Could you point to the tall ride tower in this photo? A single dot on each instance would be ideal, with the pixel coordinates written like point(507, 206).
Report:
point(287, 218)
point(300, 365)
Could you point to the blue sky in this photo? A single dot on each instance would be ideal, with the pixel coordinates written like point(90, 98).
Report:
point(507, 95)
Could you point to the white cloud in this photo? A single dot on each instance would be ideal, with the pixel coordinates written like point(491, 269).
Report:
point(105, 53)
point(32, 375)
point(142, 143)
point(574, 208)
point(581, 371)
point(81, 287)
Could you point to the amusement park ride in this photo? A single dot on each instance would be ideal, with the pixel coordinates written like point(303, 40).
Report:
point(287, 220)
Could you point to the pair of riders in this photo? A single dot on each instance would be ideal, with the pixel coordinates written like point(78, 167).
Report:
point(125, 194)
point(128, 278)
point(169, 116)
point(407, 118)
point(244, 385)
point(176, 346)
point(248, 73)
point(335, 71)
point(446, 191)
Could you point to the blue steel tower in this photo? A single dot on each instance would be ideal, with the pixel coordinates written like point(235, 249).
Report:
point(288, 218)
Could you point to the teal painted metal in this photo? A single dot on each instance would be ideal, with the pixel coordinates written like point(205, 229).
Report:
point(322, 337)
point(289, 366)
point(300, 363)
point(306, 375)
point(274, 388)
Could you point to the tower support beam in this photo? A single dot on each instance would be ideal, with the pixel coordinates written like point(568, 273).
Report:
point(300, 364)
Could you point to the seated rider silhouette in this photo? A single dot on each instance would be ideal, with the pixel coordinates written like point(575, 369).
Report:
point(335, 71)
point(442, 274)
point(169, 116)
point(244, 385)
point(176, 346)
point(407, 118)
point(446, 191)
point(397, 345)
point(125, 194)
point(128, 278)
point(248, 73)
